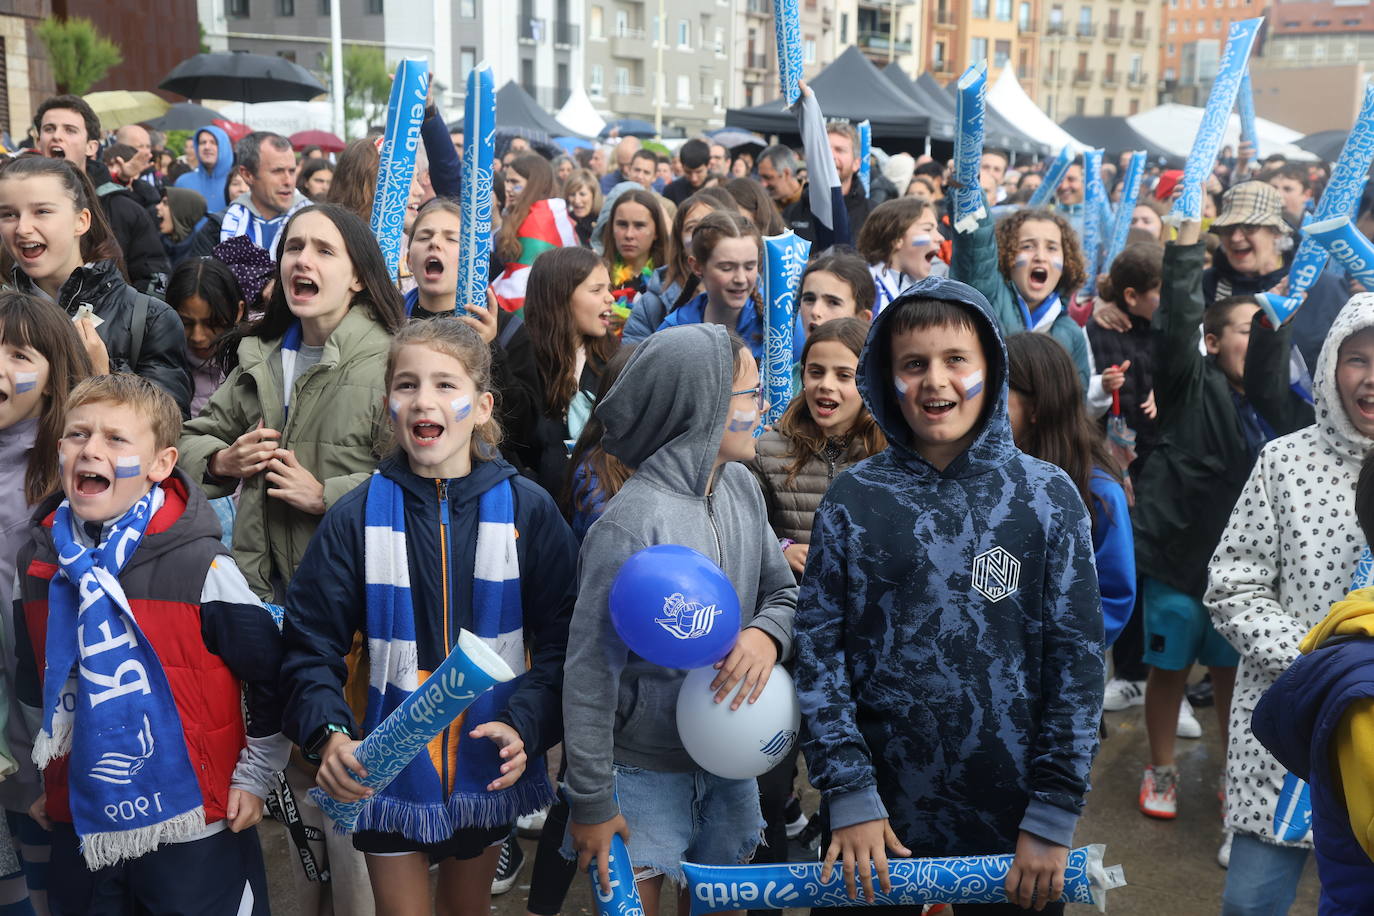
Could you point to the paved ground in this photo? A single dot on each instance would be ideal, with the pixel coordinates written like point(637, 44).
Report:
point(1171, 867)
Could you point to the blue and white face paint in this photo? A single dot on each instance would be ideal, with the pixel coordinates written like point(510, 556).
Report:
point(901, 387)
point(972, 384)
point(742, 420)
point(461, 407)
point(128, 466)
point(394, 406)
point(25, 381)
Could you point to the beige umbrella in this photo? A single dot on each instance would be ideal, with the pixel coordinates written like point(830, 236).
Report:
point(119, 107)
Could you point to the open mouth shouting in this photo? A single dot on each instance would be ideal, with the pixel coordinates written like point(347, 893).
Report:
point(935, 408)
point(825, 407)
point(303, 289)
point(90, 483)
point(426, 433)
point(30, 252)
point(1038, 278)
point(1366, 407)
point(434, 267)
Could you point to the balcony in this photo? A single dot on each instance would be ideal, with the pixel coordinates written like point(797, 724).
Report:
point(1140, 36)
point(755, 60)
point(1085, 31)
point(532, 30)
point(628, 43)
point(1027, 28)
point(566, 35)
point(1114, 32)
point(1111, 79)
point(760, 8)
point(1138, 80)
point(1057, 28)
point(942, 67)
point(945, 19)
point(879, 41)
point(1082, 77)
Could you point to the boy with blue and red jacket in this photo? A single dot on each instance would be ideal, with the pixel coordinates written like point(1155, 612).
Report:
point(136, 635)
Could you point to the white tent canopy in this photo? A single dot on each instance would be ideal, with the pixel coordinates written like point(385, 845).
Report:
point(1174, 126)
point(578, 115)
point(1012, 103)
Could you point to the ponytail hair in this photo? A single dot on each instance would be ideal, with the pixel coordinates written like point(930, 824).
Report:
point(99, 243)
point(1139, 267)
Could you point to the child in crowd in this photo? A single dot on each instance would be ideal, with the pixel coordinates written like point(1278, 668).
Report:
point(568, 314)
point(582, 193)
point(1318, 721)
point(683, 414)
point(1049, 422)
point(535, 221)
point(727, 251)
point(949, 594)
point(1028, 268)
point(206, 296)
point(636, 242)
point(1286, 556)
point(152, 798)
point(60, 247)
point(901, 241)
point(835, 285)
point(1209, 437)
point(454, 504)
point(41, 360)
point(674, 282)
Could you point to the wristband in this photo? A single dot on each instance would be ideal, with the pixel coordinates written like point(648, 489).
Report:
point(785, 543)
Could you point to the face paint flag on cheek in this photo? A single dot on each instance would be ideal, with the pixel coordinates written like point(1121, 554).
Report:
point(900, 386)
point(395, 407)
point(741, 420)
point(973, 384)
point(25, 381)
point(128, 466)
point(461, 407)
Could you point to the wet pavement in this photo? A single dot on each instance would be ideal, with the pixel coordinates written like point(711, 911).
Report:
point(1170, 866)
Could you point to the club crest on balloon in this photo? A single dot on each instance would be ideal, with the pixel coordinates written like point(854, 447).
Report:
point(686, 619)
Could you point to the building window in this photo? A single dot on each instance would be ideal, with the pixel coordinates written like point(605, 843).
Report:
point(809, 51)
point(1085, 17)
point(596, 82)
point(622, 23)
point(844, 28)
point(1003, 10)
point(286, 7)
point(1080, 105)
point(467, 60)
point(1023, 64)
point(467, 9)
point(1137, 62)
point(236, 9)
point(720, 40)
point(1187, 26)
point(372, 7)
point(1107, 107)
point(1023, 16)
point(1001, 53)
point(718, 94)
point(287, 55)
point(684, 34)
point(1289, 50)
point(980, 9)
point(1135, 106)
point(596, 22)
point(1350, 50)
point(622, 80)
point(1171, 49)
point(684, 91)
point(977, 50)
point(1169, 74)
point(1172, 24)
point(939, 55)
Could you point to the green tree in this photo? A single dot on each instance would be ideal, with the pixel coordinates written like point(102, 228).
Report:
point(79, 55)
point(367, 83)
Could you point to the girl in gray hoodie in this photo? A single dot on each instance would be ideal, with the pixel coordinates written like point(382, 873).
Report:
point(675, 415)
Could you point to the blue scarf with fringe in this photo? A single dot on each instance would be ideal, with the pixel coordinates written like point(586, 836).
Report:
point(444, 790)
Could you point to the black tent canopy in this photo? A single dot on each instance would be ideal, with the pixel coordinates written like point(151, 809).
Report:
point(942, 125)
point(850, 88)
point(517, 108)
point(1115, 135)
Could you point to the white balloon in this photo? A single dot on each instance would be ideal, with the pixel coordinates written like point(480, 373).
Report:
point(740, 743)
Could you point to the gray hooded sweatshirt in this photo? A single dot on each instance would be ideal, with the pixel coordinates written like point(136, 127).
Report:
point(664, 416)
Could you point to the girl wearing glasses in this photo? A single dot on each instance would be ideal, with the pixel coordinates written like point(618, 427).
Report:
point(683, 414)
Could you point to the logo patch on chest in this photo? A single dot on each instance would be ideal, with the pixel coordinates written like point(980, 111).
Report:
point(996, 574)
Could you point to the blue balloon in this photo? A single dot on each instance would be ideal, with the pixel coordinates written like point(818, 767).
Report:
point(674, 607)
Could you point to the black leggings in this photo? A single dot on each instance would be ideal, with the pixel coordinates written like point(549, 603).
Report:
point(1128, 652)
point(775, 787)
point(552, 874)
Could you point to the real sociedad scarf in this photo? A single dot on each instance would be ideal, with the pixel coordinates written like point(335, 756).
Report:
point(444, 790)
point(239, 219)
point(106, 701)
point(1042, 317)
point(290, 349)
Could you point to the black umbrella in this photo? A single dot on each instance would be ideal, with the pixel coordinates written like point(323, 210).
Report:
point(185, 116)
point(628, 127)
point(1325, 144)
point(242, 77)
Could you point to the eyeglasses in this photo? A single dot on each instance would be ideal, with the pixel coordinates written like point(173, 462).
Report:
point(757, 391)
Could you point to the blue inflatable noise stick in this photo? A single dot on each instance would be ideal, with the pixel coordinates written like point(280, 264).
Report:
point(405, 112)
point(623, 900)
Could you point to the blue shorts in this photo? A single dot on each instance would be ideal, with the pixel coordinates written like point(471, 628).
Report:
point(685, 817)
point(1179, 631)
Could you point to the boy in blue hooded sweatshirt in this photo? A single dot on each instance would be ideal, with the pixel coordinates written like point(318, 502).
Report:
point(949, 626)
point(215, 160)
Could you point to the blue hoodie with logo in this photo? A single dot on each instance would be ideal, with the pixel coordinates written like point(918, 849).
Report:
point(209, 183)
point(949, 628)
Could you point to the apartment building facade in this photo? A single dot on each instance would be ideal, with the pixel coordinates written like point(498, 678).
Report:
point(1003, 32)
point(1314, 49)
point(1098, 57)
point(1194, 32)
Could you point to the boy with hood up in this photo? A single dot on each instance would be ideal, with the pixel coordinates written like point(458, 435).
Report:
point(949, 627)
point(215, 155)
point(683, 414)
point(1318, 720)
point(1286, 557)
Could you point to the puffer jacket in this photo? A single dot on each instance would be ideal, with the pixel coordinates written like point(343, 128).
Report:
point(161, 357)
point(792, 508)
point(335, 419)
point(1287, 555)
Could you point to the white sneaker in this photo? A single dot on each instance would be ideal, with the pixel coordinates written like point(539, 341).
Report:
point(1224, 853)
point(531, 825)
point(1188, 725)
point(1122, 694)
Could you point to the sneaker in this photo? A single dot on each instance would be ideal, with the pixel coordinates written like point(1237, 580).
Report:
point(531, 825)
point(508, 866)
point(1121, 695)
point(1200, 694)
point(1188, 725)
point(1159, 793)
point(796, 818)
point(1224, 853)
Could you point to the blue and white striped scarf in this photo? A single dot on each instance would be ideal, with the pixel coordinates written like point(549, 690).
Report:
point(414, 804)
point(241, 219)
point(290, 349)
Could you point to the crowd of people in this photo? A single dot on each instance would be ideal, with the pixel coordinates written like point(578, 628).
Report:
point(262, 483)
